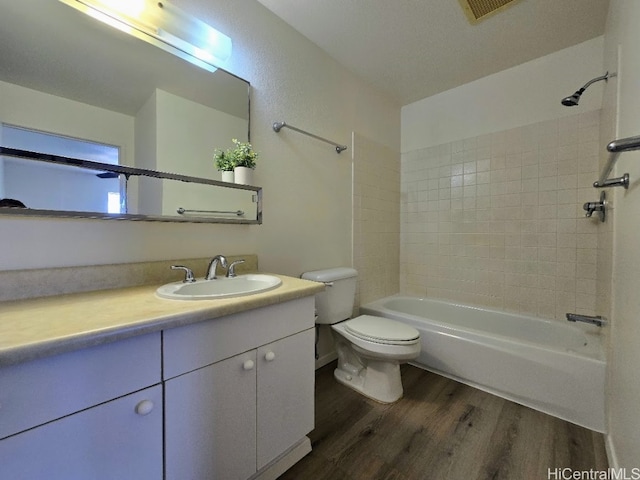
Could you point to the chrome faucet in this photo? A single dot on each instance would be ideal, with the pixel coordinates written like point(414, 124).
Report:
point(213, 264)
point(597, 320)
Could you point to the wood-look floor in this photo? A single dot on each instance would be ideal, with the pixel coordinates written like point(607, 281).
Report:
point(439, 430)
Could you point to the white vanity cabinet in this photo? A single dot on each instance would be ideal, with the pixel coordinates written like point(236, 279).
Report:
point(211, 421)
point(285, 394)
point(93, 413)
point(226, 398)
point(239, 393)
point(119, 439)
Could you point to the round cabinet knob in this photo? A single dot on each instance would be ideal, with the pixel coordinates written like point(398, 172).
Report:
point(248, 365)
point(144, 407)
point(270, 356)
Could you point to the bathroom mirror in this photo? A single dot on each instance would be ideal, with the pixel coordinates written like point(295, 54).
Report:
point(64, 73)
point(82, 188)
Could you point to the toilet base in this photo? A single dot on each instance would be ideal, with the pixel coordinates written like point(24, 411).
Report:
point(378, 380)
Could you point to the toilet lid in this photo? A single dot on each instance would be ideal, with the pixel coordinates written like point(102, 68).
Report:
point(381, 330)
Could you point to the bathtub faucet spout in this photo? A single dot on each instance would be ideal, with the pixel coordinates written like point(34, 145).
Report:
point(597, 320)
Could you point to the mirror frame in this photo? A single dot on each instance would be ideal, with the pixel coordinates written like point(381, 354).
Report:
point(127, 171)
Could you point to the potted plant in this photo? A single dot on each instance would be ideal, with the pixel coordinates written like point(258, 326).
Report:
point(244, 161)
point(225, 164)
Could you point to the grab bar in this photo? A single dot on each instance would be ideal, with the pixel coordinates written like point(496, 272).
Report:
point(239, 213)
point(277, 126)
point(624, 144)
point(616, 148)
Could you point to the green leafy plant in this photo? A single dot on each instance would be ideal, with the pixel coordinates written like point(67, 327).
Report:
point(242, 155)
point(224, 160)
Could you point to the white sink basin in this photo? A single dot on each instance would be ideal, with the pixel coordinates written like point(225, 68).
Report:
point(219, 288)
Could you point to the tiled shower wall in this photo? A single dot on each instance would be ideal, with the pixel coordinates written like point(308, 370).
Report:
point(376, 219)
point(497, 220)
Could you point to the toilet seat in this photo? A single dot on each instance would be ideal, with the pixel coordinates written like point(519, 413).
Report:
point(382, 330)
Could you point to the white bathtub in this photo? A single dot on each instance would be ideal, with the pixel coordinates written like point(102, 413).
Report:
point(547, 365)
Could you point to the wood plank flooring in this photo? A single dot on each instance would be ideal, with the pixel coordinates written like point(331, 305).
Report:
point(439, 430)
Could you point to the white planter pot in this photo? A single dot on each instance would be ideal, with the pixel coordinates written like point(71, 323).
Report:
point(243, 175)
point(227, 176)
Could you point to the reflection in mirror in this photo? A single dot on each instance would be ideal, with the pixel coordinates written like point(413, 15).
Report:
point(65, 74)
point(51, 186)
point(73, 189)
point(163, 25)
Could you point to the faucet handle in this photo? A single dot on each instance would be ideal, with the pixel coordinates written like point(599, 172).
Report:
point(231, 272)
point(188, 273)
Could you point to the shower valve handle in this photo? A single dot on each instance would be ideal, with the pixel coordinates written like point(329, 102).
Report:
point(591, 207)
point(599, 207)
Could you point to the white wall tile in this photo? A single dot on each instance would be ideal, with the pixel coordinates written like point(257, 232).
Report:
point(508, 230)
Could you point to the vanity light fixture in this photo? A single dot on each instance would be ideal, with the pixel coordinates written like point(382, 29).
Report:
point(164, 25)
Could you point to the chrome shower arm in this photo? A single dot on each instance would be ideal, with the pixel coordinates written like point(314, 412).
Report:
point(572, 100)
point(597, 79)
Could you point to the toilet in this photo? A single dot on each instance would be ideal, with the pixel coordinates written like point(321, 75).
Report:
point(370, 349)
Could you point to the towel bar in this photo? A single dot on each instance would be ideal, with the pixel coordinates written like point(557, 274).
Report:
point(277, 126)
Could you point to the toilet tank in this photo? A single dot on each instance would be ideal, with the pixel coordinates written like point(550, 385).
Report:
point(335, 304)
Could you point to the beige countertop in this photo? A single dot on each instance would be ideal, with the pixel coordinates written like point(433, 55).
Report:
point(50, 325)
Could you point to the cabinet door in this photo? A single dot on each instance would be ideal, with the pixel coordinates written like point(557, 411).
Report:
point(119, 439)
point(210, 421)
point(285, 394)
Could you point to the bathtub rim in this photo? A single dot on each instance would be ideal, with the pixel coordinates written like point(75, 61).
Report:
point(595, 338)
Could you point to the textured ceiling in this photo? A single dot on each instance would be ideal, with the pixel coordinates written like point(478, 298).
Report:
point(413, 49)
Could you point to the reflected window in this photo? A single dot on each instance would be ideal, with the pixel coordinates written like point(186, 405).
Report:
point(37, 141)
point(47, 186)
point(113, 202)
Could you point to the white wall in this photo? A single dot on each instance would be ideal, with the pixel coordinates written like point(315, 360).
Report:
point(188, 133)
point(519, 96)
point(48, 113)
point(145, 193)
point(307, 186)
point(174, 134)
point(622, 35)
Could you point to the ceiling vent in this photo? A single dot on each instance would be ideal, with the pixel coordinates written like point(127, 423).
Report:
point(477, 10)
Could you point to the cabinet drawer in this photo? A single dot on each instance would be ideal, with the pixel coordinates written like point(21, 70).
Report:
point(42, 390)
point(120, 439)
point(195, 346)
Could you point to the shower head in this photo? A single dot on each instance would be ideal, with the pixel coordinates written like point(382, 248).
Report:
point(573, 100)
